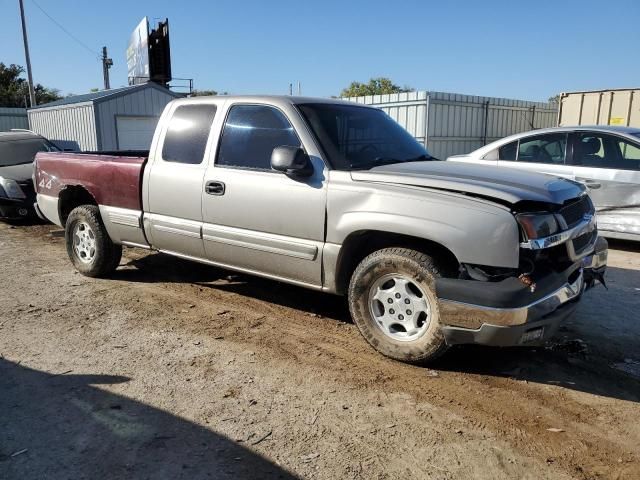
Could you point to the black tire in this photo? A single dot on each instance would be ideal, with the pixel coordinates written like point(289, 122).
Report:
point(422, 271)
point(105, 256)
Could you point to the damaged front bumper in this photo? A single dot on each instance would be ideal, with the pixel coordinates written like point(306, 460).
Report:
point(509, 313)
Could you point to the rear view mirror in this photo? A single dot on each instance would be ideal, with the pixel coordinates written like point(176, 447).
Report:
point(291, 161)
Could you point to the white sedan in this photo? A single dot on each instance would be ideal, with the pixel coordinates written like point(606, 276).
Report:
point(605, 158)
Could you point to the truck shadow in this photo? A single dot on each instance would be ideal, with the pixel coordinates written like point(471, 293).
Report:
point(62, 426)
point(163, 268)
point(561, 364)
point(576, 358)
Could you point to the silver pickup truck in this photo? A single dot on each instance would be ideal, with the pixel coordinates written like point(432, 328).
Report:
point(337, 197)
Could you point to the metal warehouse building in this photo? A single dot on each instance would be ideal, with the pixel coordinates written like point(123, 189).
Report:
point(117, 119)
point(450, 124)
point(13, 118)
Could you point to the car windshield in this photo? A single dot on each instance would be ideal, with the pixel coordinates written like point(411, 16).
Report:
point(18, 152)
point(636, 134)
point(357, 138)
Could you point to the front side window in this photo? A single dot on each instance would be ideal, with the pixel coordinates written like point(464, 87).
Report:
point(19, 152)
point(356, 137)
point(250, 134)
point(188, 132)
point(630, 151)
point(543, 149)
point(605, 151)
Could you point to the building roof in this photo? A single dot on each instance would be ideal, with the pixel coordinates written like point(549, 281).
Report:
point(102, 95)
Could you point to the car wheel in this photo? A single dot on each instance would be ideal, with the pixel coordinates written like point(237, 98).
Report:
point(88, 244)
point(393, 303)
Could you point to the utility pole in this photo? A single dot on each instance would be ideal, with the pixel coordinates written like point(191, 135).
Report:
point(32, 95)
point(299, 88)
point(107, 63)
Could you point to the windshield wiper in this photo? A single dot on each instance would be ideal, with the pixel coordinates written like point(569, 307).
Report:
point(423, 157)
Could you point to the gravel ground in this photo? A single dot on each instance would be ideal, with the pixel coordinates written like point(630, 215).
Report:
point(175, 370)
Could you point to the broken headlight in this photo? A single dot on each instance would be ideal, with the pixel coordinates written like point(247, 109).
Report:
point(538, 225)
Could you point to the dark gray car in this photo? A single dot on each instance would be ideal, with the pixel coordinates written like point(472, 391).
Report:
point(604, 158)
point(17, 151)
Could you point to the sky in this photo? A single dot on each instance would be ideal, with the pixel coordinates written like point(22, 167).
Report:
point(514, 49)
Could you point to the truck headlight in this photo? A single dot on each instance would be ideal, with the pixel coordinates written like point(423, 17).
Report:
point(538, 225)
point(11, 189)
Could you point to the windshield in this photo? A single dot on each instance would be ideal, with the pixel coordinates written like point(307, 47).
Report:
point(637, 134)
point(358, 138)
point(18, 152)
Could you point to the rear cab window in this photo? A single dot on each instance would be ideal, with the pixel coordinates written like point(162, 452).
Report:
point(186, 138)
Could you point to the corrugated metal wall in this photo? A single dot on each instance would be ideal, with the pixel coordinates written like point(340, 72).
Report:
point(68, 126)
point(451, 124)
point(606, 107)
point(13, 118)
point(144, 102)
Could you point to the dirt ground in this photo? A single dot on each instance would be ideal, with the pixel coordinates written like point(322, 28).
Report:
point(176, 370)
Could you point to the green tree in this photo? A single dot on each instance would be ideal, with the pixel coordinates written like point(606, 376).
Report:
point(14, 89)
point(554, 99)
point(376, 86)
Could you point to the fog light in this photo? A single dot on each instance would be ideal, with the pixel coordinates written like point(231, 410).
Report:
point(532, 335)
point(23, 212)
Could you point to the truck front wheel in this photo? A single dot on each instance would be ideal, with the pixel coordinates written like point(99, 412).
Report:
point(88, 244)
point(393, 303)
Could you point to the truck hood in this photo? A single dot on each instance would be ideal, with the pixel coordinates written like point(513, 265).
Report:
point(19, 173)
point(503, 184)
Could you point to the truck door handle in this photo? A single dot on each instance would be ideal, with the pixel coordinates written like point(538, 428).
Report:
point(214, 188)
point(589, 183)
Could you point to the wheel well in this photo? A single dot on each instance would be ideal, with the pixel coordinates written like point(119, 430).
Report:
point(360, 244)
point(71, 197)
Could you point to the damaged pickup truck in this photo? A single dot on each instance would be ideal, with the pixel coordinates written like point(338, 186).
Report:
point(337, 197)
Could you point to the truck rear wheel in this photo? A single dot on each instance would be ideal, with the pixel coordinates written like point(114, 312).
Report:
point(393, 303)
point(88, 244)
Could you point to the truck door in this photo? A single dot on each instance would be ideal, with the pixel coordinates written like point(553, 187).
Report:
point(173, 182)
point(257, 219)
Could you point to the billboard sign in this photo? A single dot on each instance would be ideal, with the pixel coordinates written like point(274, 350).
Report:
point(138, 54)
point(160, 54)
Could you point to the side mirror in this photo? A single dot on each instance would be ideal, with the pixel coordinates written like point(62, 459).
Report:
point(291, 161)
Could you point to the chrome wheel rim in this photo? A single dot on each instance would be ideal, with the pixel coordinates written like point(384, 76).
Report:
point(84, 242)
point(399, 307)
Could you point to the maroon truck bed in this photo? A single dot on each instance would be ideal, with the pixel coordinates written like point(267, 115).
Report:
point(112, 178)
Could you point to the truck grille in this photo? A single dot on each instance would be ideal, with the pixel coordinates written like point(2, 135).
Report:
point(574, 212)
point(583, 241)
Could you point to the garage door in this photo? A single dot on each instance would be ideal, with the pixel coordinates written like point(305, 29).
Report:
point(135, 133)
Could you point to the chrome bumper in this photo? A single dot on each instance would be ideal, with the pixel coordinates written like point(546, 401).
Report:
point(530, 324)
point(450, 309)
